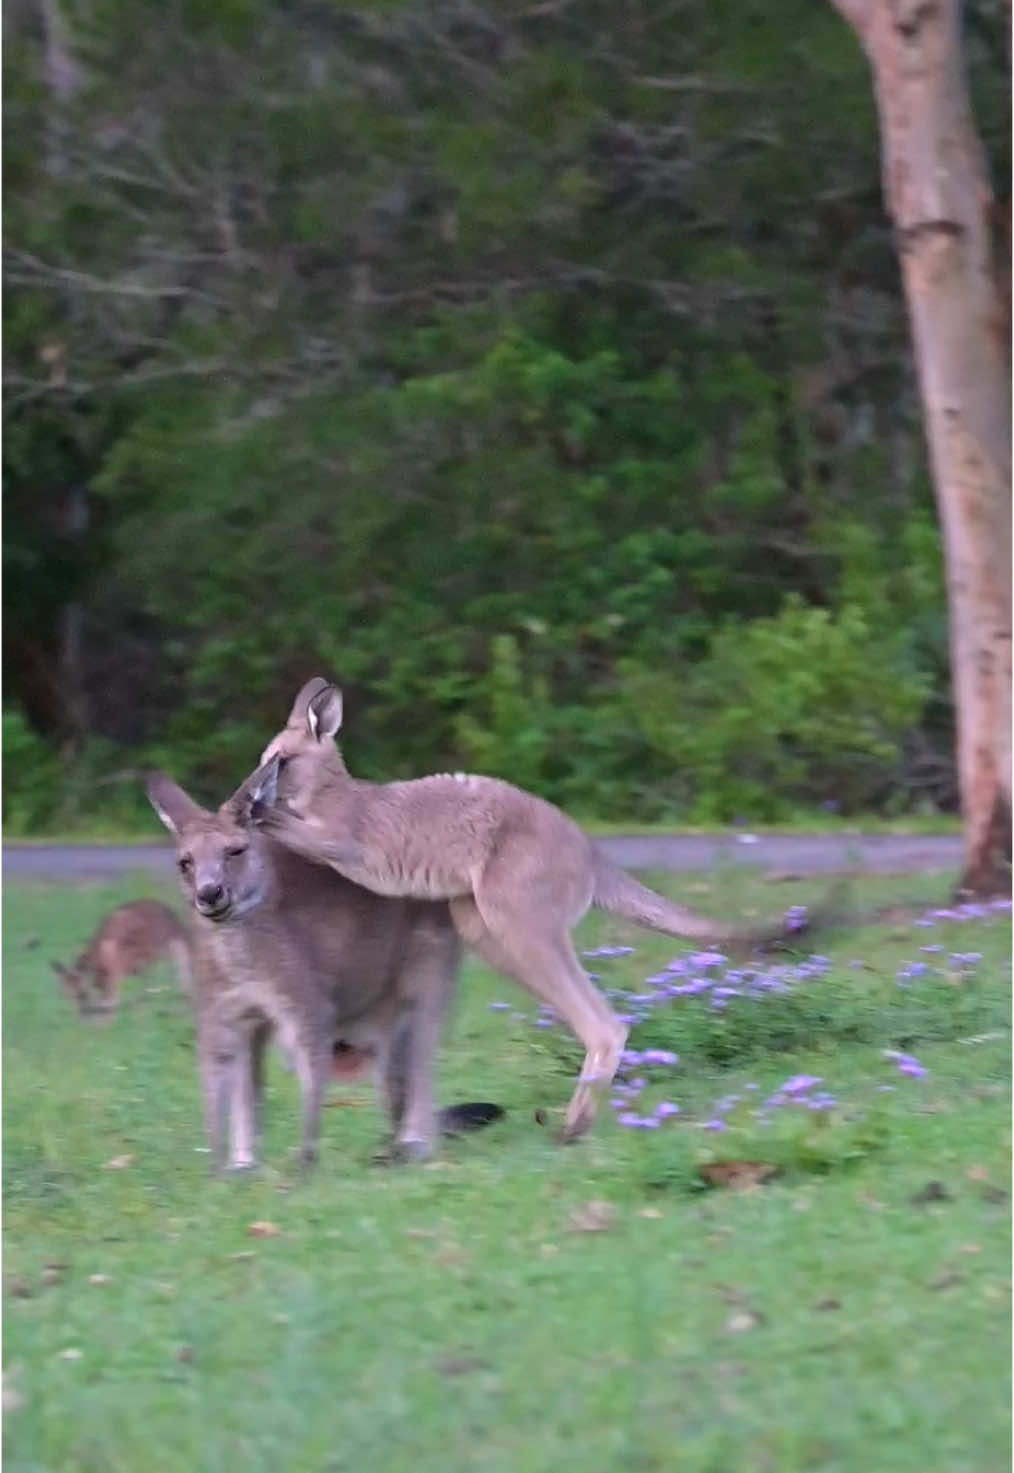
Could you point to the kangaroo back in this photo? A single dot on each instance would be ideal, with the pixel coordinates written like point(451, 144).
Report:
point(128, 940)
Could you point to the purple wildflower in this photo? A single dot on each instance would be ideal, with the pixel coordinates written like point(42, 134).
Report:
point(795, 918)
point(638, 1122)
point(499, 1007)
point(799, 1084)
point(707, 959)
point(715, 1125)
point(659, 1056)
point(772, 983)
point(665, 1108)
point(699, 984)
point(906, 1064)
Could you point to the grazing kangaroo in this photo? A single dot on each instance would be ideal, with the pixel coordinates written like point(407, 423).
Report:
point(517, 872)
point(128, 941)
point(287, 949)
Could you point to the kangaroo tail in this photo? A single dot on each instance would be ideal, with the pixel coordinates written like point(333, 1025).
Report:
point(622, 895)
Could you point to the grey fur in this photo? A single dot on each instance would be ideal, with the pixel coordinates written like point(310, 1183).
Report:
point(289, 950)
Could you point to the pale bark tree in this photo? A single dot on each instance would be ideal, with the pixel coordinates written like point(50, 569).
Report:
point(938, 194)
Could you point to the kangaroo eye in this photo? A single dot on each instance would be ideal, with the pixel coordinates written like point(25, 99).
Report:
point(185, 863)
point(235, 851)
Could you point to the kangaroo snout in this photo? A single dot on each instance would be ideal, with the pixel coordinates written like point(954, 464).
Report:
point(211, 898)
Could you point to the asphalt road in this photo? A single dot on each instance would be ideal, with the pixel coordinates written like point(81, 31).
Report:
point(793, 853)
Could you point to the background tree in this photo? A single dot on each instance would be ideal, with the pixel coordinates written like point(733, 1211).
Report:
point(559, 401)
point(937, 188)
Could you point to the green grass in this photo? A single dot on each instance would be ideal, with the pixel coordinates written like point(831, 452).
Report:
point(450, 1317)
point(806, 825)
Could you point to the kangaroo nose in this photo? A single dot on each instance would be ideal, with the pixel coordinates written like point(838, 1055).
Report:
point(210, 894)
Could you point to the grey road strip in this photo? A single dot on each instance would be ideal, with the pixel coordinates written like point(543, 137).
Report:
point(796, 853)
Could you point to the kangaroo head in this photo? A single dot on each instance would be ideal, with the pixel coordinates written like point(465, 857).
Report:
point(71, 979)
point(81, 987)
point(303, 754)
point(222, 859)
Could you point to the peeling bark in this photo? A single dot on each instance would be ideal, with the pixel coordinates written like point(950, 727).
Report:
point(938, 194)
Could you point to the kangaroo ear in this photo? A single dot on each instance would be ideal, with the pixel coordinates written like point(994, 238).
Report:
point(253, 798)
point(324, 714)
point(312, 688)
point(264, 787)
point(173, 806)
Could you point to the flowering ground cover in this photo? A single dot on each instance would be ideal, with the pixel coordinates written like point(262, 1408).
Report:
point(785, 1246)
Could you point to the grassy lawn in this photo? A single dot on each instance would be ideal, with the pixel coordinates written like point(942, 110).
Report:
point(514, 1306)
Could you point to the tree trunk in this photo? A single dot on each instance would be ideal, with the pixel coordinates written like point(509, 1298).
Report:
point(938, 195)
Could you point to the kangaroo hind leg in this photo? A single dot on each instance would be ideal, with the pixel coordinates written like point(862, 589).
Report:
point(542, 959)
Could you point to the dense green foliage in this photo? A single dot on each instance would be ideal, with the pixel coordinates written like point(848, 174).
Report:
point(538, 370)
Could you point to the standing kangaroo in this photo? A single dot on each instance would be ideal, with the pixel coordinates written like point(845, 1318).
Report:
point(517, 872)
point(128, 941)
point(287, 949)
